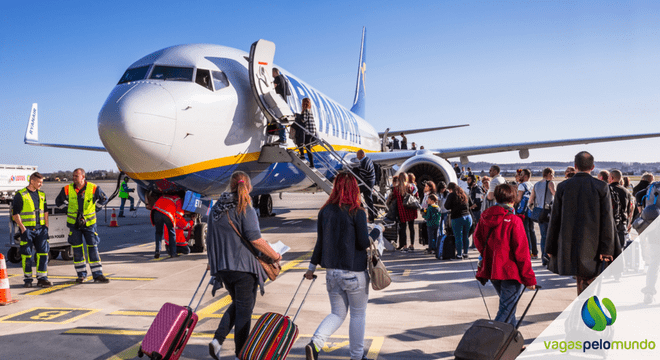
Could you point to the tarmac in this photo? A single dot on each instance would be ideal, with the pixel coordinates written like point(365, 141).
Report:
point(421, 315)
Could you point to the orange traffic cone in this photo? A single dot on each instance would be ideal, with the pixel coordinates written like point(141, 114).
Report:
point(5, 294)
point(113, 219)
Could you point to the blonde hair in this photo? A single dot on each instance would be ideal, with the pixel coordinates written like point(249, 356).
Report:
point(241, 185)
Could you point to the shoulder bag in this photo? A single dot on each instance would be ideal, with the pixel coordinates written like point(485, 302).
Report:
point(272, 268)
point(541, 214)
point(380, 278)
point(410, 201)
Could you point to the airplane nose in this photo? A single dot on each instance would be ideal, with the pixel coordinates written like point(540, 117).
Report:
point(137, 125)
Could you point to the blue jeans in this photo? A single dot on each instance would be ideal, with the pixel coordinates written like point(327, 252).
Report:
point(432, 232)
point(347, 290)
point(91, 238)
point(531, 235)
point(508, 291)
point(543, 227)
point(443, 223)
point(461, 229)
point(242, 287)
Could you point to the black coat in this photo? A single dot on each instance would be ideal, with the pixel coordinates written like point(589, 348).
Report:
point(581, 227)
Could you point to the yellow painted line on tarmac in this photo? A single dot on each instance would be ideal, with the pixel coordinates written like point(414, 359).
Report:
point(209, 312)
point(12, 275)
point(50, 289)
point(154, 313)
point(83, 331)
point(269, 228)
point(376, 345)
point(130, 278)
point(406, 272)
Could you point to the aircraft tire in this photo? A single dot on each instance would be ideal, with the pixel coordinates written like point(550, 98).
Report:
point(53, 255)
point(199, 236)
point(266, 205)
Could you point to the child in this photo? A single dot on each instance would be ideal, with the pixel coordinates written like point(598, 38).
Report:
point(432, 216)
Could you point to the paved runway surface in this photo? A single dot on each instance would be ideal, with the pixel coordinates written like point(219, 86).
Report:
point(422, 315)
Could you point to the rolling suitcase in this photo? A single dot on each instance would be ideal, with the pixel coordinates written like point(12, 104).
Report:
point(493, 340)
point(273, 335)
point(447, 248)
point(171, 330)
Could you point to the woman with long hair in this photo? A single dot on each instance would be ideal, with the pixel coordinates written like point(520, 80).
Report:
point(407, 215)
point(341, 248)
point(233, 229)
point(308, 122)
point(458, 203)
point(502, 242)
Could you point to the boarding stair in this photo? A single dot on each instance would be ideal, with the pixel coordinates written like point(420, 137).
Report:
point(276, 152)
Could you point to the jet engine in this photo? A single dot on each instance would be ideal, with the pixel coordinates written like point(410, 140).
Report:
point(427, 166)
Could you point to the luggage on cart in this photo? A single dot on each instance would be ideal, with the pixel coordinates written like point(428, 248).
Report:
point(273, 335)
point(171, 330)
point(489, 339)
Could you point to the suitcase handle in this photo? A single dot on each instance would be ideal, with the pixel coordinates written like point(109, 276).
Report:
point(199, 286)
point(536, 287)
point(296, 293)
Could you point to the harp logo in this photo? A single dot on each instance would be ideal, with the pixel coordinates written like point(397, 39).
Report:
point(595, 317)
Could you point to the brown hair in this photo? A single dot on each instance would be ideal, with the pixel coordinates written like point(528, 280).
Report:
point(460, 194)
point(403, 183)
point(36, 175)
point(241, 185)
point(431, 186)
point(433, 197)
point(506, 194)
point(306, 102)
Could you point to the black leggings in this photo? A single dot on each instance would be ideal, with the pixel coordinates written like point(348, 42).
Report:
point(402, 233)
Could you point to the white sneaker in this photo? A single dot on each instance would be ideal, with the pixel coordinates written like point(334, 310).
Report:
point(214, 349)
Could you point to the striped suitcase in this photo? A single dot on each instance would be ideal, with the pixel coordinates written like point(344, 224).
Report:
point(273, 335)
point(169, 333)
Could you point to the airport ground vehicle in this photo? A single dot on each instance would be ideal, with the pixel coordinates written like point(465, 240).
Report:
point(12, 179)
point(57, 237)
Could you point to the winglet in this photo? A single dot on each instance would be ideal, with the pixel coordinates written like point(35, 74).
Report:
point(359, 101)
point(32, 130)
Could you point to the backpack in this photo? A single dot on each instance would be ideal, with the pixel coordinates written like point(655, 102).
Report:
point(522, 206)
point(652, 194)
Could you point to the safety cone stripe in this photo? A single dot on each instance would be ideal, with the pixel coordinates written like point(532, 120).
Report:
point(4, 284)
point(3, 274)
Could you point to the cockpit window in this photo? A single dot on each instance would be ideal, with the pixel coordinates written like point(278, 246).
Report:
point(134, 74)
point(172, 73)
point(220, 80)
point(204, 78)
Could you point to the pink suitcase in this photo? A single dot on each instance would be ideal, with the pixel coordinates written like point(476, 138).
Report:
point(171, 330)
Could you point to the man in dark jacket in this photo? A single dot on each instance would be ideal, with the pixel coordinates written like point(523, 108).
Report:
point(581, 231)
point(646, 180)
point(367, 173)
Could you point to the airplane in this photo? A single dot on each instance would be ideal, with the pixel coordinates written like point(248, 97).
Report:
point(187, 116)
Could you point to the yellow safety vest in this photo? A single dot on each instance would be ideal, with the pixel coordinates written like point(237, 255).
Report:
point(28, 212)
point(123, 194)
point(89, 206)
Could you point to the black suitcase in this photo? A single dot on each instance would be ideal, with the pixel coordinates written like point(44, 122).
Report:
point(448, 246)
point(493, 340)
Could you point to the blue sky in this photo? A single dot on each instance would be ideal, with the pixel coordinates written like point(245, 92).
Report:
point(515, 71)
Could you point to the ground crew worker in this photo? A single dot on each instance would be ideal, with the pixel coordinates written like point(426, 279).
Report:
point(81, 198)
point(123, 195)
point(181, 243)
point(33, 222)
point(164, 213)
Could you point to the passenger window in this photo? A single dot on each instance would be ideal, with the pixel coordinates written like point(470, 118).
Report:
point(134, 74)
point(220, 80)
point(172, 73)
point(204, 78)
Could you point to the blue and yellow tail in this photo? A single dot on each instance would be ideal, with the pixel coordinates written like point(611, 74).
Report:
point(359, 101)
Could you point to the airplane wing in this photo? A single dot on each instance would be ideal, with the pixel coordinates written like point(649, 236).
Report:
point(32, 135)
point(416, 131)
point(523, 148)
point(398, 156)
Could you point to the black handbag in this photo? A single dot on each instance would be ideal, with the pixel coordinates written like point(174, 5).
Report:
point(410, 201)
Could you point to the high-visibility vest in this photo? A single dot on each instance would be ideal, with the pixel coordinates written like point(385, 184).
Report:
point(28, 212)
point(89, 206)
point(170, 206)
point(123, 194)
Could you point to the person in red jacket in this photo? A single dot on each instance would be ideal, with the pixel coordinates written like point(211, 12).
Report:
point(164, 214)
point(180, 226)
point(501, 240)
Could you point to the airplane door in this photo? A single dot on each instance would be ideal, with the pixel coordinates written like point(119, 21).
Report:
point(260, 69)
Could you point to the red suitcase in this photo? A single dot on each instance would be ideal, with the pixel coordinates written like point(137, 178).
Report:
point(171, 330)
point(273, 335)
